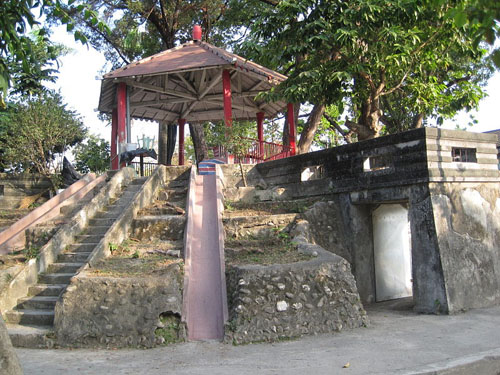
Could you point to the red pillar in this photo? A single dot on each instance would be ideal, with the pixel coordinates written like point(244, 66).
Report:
point(228, 113)
point(181, 123)
point(114, 133)
point(291, 128)
point(260, 133)
point(121, 105)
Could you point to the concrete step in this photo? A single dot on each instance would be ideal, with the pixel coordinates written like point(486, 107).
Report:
point(70, 257)
point(101, 222)
point(262, 225)
point(64, 267)
point(88, 238)
point(37, 303)
point(55, 278)
point(81, 247)
point(166, 227)
point(97, 229)
point(107, 215)
point(139, 181)
point(35, 317)
point(32, 337)
point(53, 290)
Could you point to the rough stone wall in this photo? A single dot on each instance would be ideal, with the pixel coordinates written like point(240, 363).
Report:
point(467, 217)
point(9, 363)
point(326, 228)
point(117, 312)
point(282, 301)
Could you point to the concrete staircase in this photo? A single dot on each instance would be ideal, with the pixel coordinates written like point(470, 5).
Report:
point(160, 226)
point(36, 311)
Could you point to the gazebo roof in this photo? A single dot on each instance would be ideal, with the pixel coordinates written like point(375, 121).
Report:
point(186, 82)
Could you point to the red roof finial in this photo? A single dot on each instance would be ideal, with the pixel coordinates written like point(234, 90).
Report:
point(197, 33)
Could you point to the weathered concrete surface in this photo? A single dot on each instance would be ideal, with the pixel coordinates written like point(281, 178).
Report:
point(396, 342)
point(467, 217)
point(9, 363)
point(19, 285)
point(117, 312)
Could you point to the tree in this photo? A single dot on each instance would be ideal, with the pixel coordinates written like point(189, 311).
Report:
point(365, 56)
point(92, 156)
point(17, 18)
point(36, 131)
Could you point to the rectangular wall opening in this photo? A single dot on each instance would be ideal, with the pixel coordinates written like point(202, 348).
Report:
point(463, 155)
point(315, 172)
point(377, 163)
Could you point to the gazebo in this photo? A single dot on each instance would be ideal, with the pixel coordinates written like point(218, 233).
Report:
point(195, 82)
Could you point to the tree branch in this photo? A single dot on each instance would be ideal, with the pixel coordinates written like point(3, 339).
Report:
point(345, 134)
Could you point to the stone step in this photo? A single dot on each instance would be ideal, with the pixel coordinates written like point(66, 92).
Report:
point(32, 337)
point(53, 290)
point(64, 267)
point(263, 225)
point(35, 317)
point(37, 303)
point(97, 229)
point(173, 194)
point(55, 278)
point(102, 222)
point(165, 227)
point(81, 247)
point(107, 215)
point(73, 257)
point(139, 181)
point(88, 238)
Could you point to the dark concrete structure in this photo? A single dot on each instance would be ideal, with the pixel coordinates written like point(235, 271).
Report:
point(449, 182)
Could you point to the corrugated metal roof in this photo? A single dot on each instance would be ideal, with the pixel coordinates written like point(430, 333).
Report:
point(186, 81)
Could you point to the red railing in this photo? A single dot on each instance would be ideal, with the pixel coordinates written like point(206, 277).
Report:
point(258, 152)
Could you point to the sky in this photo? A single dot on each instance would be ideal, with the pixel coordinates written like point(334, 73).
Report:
point(79, 83)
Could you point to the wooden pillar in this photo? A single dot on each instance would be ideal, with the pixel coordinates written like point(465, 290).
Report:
point(291, 129)
point(121, 105)
point(260, 133)
point(181, 123)
point(228, 112)
point(114, 134)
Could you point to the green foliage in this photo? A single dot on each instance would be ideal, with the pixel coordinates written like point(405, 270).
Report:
point(92, 156)
point(384, 64)
point(31, 252)
point(33, 133)
point(18, 49)
point(170, 330)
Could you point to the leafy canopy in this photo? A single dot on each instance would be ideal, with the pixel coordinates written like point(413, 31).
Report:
point(33, 133)
point(92, 156)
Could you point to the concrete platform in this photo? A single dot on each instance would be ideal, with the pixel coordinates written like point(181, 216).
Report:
point(397, 342)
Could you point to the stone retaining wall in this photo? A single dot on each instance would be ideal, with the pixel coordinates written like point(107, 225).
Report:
point(278, 302)
point(118, 312)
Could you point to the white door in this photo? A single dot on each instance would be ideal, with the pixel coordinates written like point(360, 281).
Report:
point(391, 243)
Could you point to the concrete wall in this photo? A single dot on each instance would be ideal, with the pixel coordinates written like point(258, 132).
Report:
point(14, 187)
point(467, 217)
point(453, 269)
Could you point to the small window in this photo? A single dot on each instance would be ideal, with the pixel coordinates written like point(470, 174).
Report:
point(312, 173)
point(463, 155)
point(377, 163)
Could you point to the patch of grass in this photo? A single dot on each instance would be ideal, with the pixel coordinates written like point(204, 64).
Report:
point(126, 266)
point(274, 249)
point(170, 331)
point(31, 252)
point(274, 207)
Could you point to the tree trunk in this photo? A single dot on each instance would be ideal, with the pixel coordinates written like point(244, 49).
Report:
point(200, 146)
point(162, 143)
point(307, 135)
point(418, 121)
